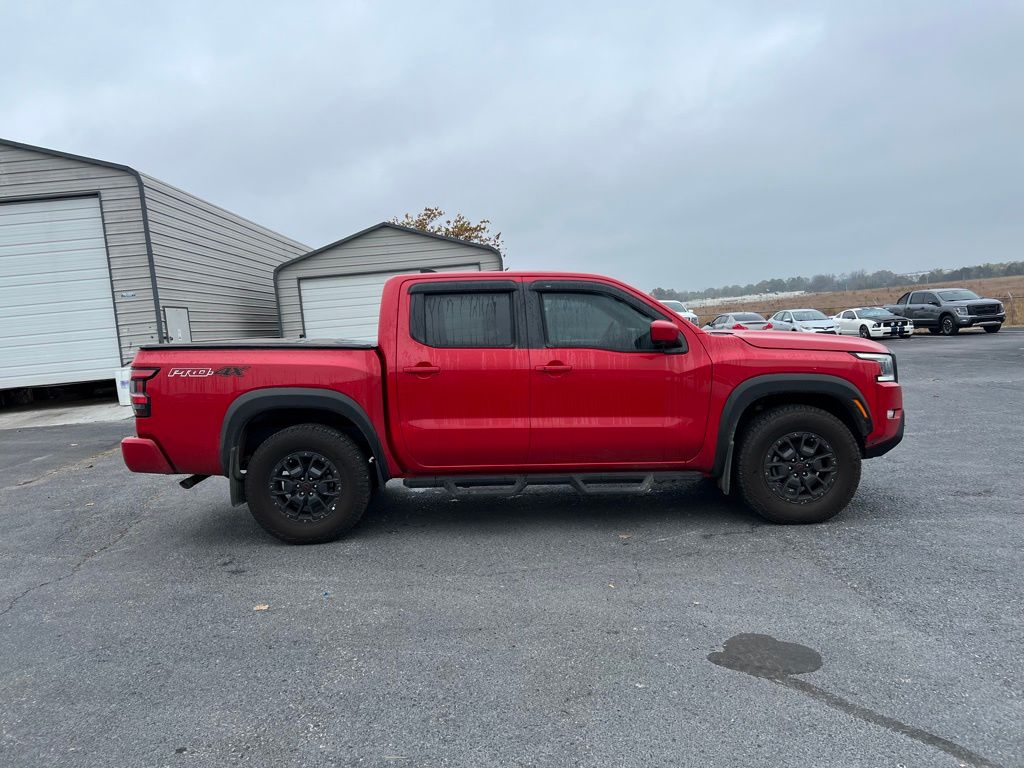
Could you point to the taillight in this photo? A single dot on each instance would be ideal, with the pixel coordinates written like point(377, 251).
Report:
point(738, 327)
point(137, 390)
point(767, 327)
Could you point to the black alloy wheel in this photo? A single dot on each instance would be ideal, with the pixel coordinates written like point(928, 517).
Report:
point(800, 467)
point(305, 486)
point(308, 484)
point(948, 325)
point(864, 332)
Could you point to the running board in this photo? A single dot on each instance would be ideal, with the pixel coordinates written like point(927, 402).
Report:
point(511, 485)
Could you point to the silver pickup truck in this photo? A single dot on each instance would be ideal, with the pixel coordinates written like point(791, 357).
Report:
point(947, 310)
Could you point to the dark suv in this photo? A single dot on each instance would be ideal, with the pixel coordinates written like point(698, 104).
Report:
point(947, 310)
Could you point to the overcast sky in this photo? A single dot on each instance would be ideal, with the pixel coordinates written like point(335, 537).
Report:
point(683, 145)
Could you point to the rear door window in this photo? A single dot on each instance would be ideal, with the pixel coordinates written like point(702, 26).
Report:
point(463, 320)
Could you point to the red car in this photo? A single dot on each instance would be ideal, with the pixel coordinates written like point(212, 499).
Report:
point(496, 381)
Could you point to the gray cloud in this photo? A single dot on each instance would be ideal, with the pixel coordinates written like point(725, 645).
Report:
point(680, 145)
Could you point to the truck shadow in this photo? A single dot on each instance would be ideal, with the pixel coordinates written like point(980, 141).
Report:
point(683, 507)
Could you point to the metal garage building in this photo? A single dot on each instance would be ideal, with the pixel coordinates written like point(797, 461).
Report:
point(335, 291)
point(97, 259)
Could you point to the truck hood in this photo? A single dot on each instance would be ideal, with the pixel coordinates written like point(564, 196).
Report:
point(815, 341)
point(830, 323)
point(972, 302)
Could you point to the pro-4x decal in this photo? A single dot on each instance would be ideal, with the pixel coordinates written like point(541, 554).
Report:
point(199, 373)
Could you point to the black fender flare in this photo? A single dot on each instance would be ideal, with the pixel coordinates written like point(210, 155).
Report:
point(750, 391)
point(246, 407)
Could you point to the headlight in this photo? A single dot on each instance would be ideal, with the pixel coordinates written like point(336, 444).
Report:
point(886, 364)
point(961, 311)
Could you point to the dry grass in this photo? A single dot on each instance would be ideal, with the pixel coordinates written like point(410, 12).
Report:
point(1002, 288)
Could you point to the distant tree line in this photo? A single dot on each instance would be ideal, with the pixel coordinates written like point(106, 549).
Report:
point(848, 281)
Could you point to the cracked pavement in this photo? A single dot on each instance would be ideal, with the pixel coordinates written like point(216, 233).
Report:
point(545, 630)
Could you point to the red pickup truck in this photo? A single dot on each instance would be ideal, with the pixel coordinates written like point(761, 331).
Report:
point(490, 382)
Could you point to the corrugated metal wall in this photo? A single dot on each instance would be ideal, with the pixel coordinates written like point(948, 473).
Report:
point(383, 249)
point(26, 174)
point(218, 265)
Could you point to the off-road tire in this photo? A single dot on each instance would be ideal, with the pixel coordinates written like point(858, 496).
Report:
point(352, 483)
point(758, 440)
point(948, 326)
point(992, 328)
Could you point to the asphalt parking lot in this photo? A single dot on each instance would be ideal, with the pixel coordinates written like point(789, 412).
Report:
point(547, 630)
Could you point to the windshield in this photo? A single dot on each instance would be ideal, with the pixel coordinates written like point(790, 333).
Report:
point(809, 314)
point(960, 294)
point(873, 312)
point(676, 305)
point(748, 317)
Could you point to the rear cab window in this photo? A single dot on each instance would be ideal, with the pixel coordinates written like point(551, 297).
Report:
point(465, 315)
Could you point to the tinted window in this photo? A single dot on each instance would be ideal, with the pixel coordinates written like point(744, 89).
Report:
point(903, 299)
point(463, 319)
point(921, 298)
point(594, 320)
point(749, 317)
point(848, 315)
point(960, 294)
point(718, 320)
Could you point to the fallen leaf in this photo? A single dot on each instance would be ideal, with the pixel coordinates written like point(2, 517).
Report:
point(90, 503)
point(625, 535)
point(261, 607)
point(612, 586)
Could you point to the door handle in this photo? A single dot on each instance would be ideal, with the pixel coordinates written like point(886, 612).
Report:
point(422, 370)
point(554, 368)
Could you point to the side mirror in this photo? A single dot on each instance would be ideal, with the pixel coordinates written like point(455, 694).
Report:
point(664, 333)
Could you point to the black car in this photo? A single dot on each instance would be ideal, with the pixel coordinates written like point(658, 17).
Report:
point(947, 310)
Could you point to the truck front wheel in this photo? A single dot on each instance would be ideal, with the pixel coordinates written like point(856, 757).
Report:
point(798, 464)
point(307, 484)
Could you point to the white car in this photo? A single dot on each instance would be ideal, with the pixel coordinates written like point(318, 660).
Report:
point(804, 320)
point(873, 323)
point(680, 309)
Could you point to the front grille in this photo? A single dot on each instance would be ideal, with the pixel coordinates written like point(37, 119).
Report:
point(984, 309)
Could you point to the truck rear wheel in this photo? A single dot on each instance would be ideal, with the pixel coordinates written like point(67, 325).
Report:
point(307, 484)
point(798, 464)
